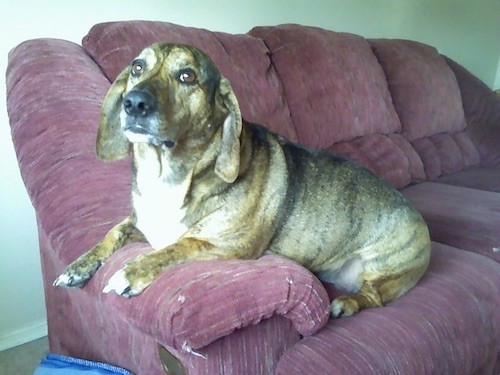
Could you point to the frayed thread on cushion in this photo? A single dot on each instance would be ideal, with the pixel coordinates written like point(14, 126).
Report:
point(190, 350)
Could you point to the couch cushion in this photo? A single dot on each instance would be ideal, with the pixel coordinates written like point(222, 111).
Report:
point(428, 102)
point(447, 324)
point(446, 153)
point(483, 178)
point(338, 99)
point(424, 90)
point(332, 82)
point(482, 112)
point(462, 217)
point(243, 59)
point(389, 156)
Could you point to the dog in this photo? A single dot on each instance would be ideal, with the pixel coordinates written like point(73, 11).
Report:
point(208, 185)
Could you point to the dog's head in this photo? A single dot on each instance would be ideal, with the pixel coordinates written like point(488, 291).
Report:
point(171, 96)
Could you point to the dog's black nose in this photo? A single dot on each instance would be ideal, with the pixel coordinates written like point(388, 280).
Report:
point(139, 103)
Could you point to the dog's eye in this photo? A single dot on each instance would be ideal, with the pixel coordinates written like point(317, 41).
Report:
point(187, 76)
point(137, 68)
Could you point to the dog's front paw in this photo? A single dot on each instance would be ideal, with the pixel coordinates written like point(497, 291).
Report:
point(119, 284)
point(78, 273)
point(130, 281)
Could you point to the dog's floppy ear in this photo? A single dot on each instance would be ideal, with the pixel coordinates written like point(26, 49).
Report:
point(227, 165)
point(111, 142)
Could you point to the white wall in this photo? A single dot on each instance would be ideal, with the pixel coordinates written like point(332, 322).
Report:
point(467, 31)
point(496, 84)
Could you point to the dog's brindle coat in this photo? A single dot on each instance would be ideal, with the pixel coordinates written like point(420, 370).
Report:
point(208, 185)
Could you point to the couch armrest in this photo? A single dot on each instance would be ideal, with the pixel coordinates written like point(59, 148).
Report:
point(194, 304)
point(54, 96)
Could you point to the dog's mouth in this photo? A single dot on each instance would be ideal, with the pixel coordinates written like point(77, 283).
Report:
point(136, 128)
point(136, 133)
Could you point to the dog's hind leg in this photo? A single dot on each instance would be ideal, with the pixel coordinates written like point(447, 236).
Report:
point(377, 292)
point(347, 305)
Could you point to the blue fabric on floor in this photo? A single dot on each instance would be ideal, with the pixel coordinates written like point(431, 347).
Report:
point(56, 364)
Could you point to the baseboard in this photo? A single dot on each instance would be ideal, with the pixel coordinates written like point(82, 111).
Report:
point(23, 335)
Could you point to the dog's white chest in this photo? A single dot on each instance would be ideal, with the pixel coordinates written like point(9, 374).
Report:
point(158, 205)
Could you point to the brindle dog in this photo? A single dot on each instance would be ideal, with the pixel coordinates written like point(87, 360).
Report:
point(208, 185)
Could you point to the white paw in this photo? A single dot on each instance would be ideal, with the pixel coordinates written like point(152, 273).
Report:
point(337, 308)
point(119, 284)
point(66, 280)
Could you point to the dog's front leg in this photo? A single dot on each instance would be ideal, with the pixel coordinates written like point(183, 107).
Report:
point(138, 274)
point(83, 268)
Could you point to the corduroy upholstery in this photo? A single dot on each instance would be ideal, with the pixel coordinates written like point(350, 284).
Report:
point(416, 118)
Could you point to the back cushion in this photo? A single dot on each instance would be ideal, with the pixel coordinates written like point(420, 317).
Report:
point(482, 112)
point(338, 99)
point(424, 90)
point(389, 156)
point(335, 88)
point(428, 101)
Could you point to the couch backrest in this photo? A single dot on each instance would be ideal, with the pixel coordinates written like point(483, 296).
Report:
point(392, 105)
point(482, 113)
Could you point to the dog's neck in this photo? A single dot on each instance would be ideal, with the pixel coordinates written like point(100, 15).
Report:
point(178, 165)
point(159, 194)
point(160, 163)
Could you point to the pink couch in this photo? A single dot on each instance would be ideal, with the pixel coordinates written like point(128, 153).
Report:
point(416, 118)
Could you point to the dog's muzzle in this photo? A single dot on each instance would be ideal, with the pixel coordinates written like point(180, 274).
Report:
point(140, 107)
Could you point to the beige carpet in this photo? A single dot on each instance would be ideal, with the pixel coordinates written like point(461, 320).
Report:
point(23, 359)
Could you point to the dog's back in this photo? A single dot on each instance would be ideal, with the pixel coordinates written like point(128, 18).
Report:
point(348, 226)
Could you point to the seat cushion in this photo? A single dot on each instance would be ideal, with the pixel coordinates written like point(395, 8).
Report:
point(448, 324)
point(461, 217)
